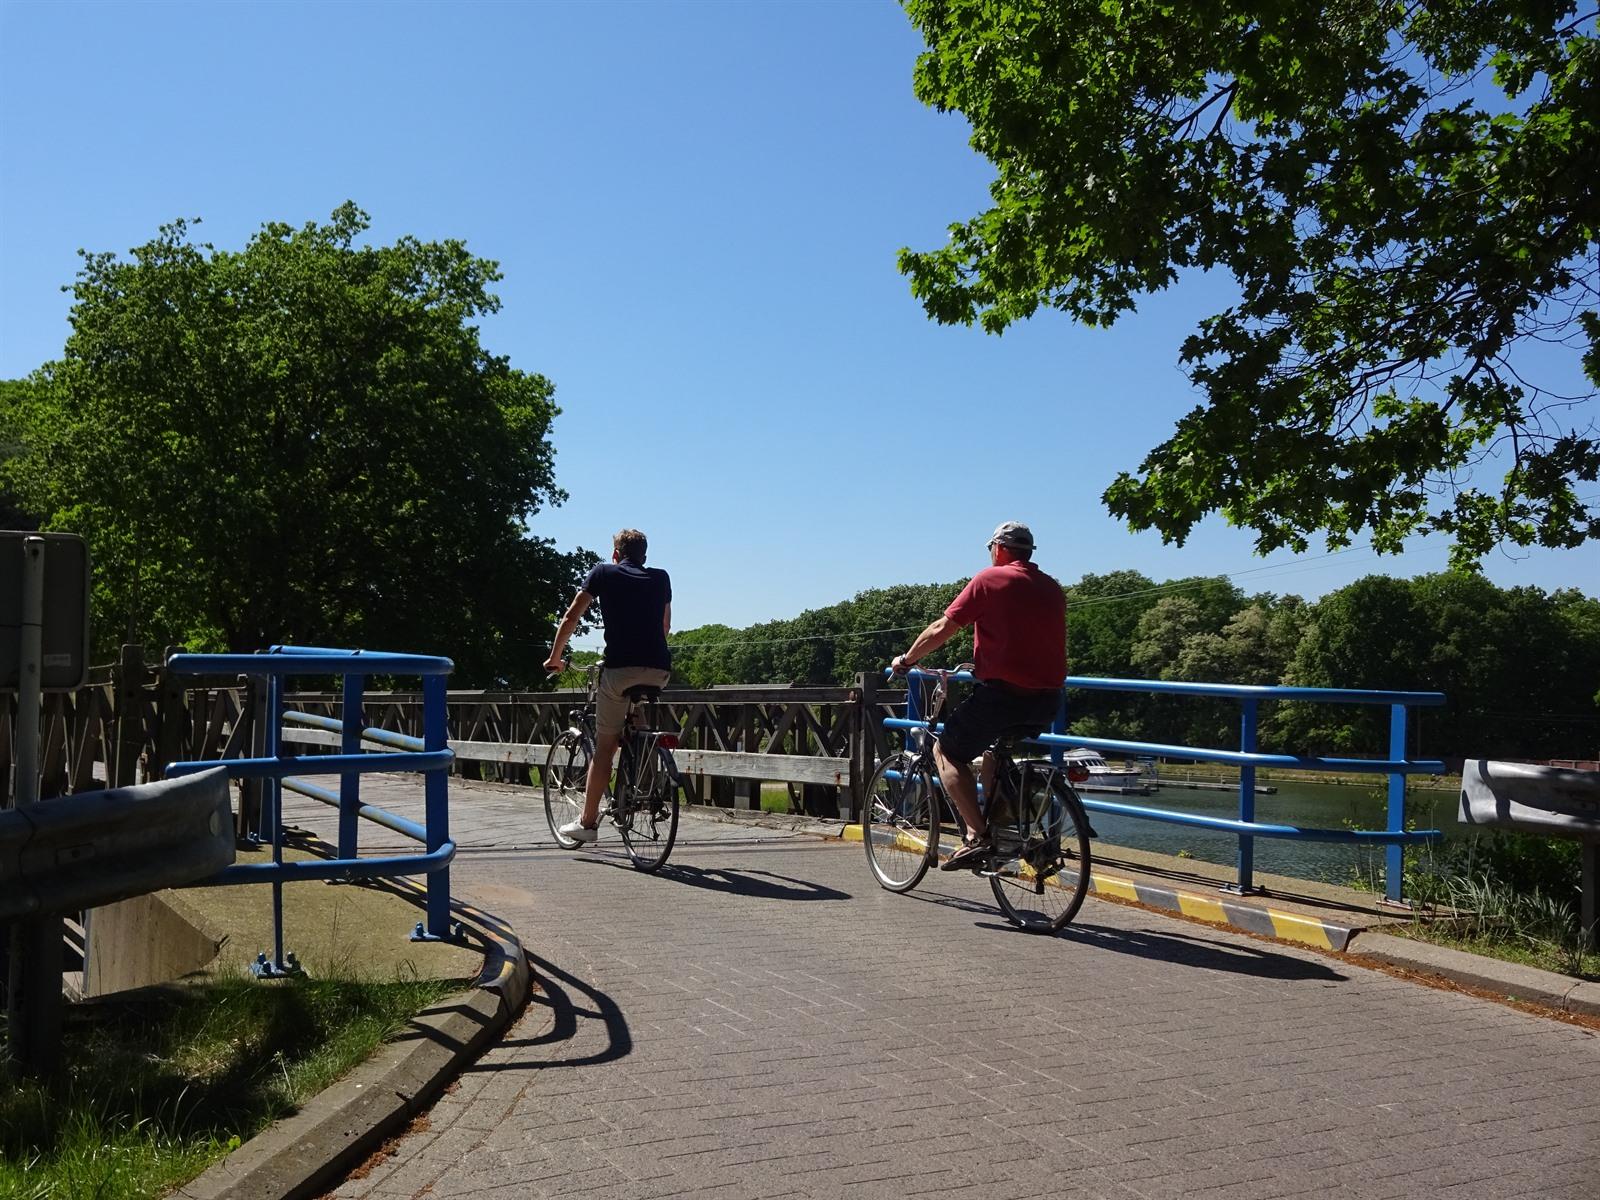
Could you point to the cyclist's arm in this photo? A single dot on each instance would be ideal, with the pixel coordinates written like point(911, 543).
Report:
point(575, 610)
point(930, 639)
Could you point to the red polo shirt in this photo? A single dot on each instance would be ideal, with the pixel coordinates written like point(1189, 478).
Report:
point(1019, 620)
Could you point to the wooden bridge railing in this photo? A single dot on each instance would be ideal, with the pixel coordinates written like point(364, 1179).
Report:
point(133, 718)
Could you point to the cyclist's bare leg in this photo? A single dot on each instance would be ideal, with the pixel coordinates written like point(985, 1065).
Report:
point(962, 788)
point(605, 749)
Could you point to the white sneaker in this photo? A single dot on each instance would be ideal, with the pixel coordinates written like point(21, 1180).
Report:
point(577, 831)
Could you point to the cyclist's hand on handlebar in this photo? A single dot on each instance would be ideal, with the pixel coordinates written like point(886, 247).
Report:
point(900, 665)
point(556, 664)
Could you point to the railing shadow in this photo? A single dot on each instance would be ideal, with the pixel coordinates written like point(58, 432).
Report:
point(554, 990)
point(759, 885)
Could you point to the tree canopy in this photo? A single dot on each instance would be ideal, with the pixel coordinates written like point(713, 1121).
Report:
point(1518, 666)
point(302, 441)
point(1404, 196)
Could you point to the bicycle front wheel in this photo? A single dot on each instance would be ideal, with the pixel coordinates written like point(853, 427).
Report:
point(566, 774)
point(900, 822)
point(649, 823)
point(1041, 884)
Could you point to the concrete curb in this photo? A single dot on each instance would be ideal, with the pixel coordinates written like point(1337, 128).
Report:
point(1511, 981)
point(1251, 918)
point(301, 1155)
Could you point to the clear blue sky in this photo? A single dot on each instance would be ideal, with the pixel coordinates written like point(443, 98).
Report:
point(697, 208)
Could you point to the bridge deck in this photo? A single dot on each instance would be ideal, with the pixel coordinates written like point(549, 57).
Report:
point(761, 1020)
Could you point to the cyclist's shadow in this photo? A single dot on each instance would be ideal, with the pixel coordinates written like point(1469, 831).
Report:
point(1184, 949)
point(759, 885)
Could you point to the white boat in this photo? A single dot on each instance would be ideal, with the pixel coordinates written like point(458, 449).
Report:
point(1108, 777)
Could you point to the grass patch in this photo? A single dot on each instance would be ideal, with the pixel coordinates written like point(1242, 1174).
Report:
point(158, 1086)
point(1547, 956)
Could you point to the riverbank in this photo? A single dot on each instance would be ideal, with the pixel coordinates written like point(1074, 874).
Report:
point(1180, 772)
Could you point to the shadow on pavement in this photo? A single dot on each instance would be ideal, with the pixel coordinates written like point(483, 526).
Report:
point(554, 989)
point(763, 885)
point(1245, 958)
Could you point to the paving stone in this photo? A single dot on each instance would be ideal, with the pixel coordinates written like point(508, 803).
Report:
point(708, 1032)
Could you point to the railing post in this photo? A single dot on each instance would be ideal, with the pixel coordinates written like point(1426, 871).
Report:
point(127, 676)
point(173, 722)
point(436, 794)
point(352, 723)
point(252, 791)
point(273, 812)
point(1059, 726)
point(863, 758)
point(33, 985)
point(913, 706)
point(1394, 854)
point(1247, 797)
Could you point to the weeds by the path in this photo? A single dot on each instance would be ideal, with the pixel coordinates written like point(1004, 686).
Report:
point(156, 1087)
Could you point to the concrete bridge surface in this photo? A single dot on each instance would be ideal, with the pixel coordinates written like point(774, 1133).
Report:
point(761, 1020)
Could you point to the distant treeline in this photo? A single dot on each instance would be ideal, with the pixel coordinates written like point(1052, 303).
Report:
point(1520, 666)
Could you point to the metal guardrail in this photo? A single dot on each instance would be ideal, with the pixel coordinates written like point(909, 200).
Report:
point(429, 755)
point(1248, 758)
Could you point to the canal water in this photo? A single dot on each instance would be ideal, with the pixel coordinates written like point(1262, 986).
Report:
point(1310, 805)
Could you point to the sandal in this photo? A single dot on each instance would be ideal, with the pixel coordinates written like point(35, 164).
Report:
point(972, 853)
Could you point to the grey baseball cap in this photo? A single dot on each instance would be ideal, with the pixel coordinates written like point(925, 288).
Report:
point(1012, 534)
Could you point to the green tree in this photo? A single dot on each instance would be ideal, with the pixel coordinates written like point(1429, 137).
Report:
point(1402, 193)
point(12, 394)
point(302, 441)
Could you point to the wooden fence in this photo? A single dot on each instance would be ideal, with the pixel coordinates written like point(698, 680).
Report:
point(134, 718)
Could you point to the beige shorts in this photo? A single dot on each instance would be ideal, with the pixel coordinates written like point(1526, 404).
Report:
point(611, 706)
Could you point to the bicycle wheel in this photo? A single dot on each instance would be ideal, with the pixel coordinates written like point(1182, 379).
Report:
point(566, 773)
point(1041, 884)
point(900, 822)
point(649, 821)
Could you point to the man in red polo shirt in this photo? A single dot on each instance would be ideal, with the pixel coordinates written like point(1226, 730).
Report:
point(1019, 651)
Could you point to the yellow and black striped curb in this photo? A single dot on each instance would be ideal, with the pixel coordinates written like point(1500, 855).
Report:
point(1255, 918)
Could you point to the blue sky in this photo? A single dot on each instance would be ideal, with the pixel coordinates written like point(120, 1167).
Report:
point(697, 209)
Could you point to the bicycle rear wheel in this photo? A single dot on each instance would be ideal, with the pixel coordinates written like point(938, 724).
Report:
point(1041, 884)
point(566, 773)
point(900, 822)
point(648, 821)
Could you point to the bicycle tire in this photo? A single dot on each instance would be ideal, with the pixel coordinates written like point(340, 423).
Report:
point(1042, 886)
point(565, 775)
point(649, 825)
point(900, 822)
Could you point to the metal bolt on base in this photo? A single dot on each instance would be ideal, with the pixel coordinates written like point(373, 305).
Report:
point(265, 968)
point(456, 933)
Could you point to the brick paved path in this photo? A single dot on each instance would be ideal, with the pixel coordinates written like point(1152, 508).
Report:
point(761, 1020)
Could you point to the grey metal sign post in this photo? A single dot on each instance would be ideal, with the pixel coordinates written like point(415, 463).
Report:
point(38, 656)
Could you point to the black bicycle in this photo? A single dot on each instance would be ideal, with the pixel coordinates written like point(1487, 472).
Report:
point(643, 800)
point(1039, 866)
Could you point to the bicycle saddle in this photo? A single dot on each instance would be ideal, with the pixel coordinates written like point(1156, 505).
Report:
point(642, 691)
point(1020, 733)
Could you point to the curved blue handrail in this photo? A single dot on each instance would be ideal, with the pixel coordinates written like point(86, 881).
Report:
point(430, 756)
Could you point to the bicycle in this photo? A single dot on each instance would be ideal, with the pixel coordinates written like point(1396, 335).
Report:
point(1039, 867)
point(642, 803)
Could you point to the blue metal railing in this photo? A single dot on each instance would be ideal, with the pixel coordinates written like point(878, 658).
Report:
point(1248, 758)
point(430, 755)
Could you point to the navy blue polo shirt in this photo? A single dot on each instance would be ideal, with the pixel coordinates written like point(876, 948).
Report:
point(633, 601)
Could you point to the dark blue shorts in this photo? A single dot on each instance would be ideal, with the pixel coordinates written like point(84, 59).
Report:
point(988, 712)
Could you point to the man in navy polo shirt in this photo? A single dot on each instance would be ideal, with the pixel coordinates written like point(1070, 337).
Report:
point(636, 610)
point(1019, 654)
